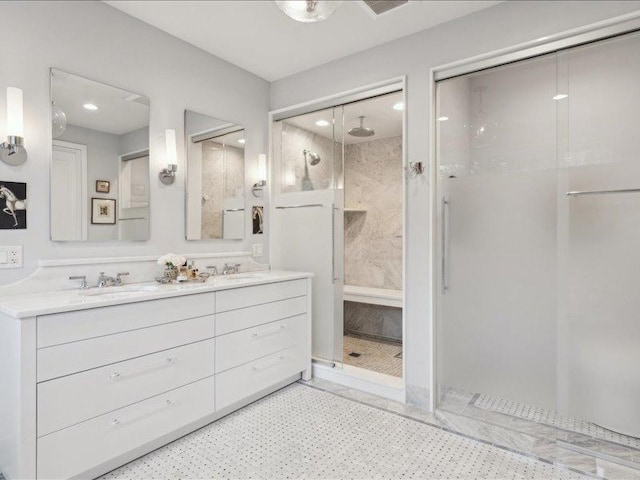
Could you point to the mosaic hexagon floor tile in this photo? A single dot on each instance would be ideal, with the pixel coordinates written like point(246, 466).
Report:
point(302, 432)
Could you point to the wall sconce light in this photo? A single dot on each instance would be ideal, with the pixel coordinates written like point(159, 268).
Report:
point(258, 187)
point(168, 175)
point(12, 151)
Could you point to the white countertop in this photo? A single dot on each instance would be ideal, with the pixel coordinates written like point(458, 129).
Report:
point(23, 305)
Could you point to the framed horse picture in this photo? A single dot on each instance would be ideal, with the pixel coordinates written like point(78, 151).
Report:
point(13, 205)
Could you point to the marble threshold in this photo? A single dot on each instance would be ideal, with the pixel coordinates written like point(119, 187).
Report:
point(527, 438)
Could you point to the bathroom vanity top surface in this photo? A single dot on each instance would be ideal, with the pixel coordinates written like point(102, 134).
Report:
point(29, 304)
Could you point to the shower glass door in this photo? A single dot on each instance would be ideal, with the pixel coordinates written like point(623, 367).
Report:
point(308, 216)
point(538, 231)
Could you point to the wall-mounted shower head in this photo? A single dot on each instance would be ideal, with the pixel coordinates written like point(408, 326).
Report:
point(361, 131)
point(315, 158)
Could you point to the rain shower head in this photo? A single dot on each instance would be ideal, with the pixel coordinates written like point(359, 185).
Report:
point(315, 158)
point(361, 131)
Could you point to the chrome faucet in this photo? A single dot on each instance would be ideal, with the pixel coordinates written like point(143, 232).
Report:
point(118, 281)
point(105, 281)
point(83, 284)
point(230, 268)
point(214, 268)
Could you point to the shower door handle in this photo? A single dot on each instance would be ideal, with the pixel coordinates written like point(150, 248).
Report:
point(333, 243)
point(443, 244)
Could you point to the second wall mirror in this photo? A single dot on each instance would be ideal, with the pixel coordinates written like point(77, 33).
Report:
point(215, 178)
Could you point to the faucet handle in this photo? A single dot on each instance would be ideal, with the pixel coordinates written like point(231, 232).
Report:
point(83, 284)
point(118, 280)
point(214, 268)
point(122, 274)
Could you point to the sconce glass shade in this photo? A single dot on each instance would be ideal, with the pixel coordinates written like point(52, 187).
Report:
point(168, 174)
point(15, 121)
point(308, 11)
point(262, 167)
point(12, 151)
point(170, 143)
point(258, 187)
point(58, 121)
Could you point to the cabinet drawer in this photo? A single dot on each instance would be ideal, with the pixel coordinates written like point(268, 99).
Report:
point(75, 398)
point(234, 320)
point(256, 295)
point(67, 327)
point(238, 383)
point(244, 346)
point(96, 352)
point(74, 450)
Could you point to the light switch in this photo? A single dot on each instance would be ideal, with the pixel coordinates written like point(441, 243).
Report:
point(4, 257)
point(256, 250)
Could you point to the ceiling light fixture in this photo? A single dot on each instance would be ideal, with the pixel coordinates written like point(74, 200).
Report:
point(560, 96)
point(308, 11)
point(399, 106)
point(241, 141)
point(443, 119)
point(322, 123)
point(90, 106)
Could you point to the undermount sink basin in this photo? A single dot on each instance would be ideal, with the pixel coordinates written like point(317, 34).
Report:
point(124, 290)
point(240, 276)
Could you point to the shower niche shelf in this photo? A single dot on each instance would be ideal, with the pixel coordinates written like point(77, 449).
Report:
point(355, 210)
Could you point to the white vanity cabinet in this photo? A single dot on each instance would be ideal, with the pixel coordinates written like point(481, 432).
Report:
point(91, 389)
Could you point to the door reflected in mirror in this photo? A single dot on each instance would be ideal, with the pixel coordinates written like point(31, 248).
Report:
point(100, 150)
point(215, 178)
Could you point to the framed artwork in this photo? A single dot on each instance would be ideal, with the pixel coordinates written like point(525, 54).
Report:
point(257, 220)
point(103, 211)
point(13, 205)
point(103, 186)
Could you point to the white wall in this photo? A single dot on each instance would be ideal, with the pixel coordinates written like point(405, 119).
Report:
point(97, 41)
point(502, 26)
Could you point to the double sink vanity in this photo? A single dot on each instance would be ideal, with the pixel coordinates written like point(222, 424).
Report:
point(94, 378)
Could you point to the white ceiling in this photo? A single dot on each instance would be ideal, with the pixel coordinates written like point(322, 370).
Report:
point(119, 111)
point(379, 115)
point(257, 36)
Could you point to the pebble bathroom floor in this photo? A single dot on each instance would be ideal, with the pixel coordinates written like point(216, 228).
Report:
point(321, 430)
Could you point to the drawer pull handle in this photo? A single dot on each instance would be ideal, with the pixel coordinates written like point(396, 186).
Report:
point(269, 332)
point(169, 361)
point(256, 368)
point(167, 403)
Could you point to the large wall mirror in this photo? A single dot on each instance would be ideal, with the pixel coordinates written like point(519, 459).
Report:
point(100, 161)
point(215, 178)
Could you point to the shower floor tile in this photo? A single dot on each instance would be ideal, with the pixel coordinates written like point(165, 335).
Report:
point(549, 417)
point(304, 432)
point(376, 355)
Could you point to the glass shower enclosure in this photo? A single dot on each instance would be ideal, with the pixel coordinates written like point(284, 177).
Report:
point(538, 182)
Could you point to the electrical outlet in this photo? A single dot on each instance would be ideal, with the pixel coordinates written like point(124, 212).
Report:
point(256, 250)
point(11, 257)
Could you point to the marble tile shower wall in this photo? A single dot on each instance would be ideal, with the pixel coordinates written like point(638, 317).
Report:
point(374, 321)
point(373, 239)
point(222, 177)
point(317, 177)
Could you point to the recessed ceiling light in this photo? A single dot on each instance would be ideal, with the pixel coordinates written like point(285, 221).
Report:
point(443, 119)
point(399, 106)
point(90, 106)
point(322, 123)
point(241, 141)
point(560, 96)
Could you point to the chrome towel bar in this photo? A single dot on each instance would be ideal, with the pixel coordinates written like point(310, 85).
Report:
point(300, 206)
point(602, 192)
